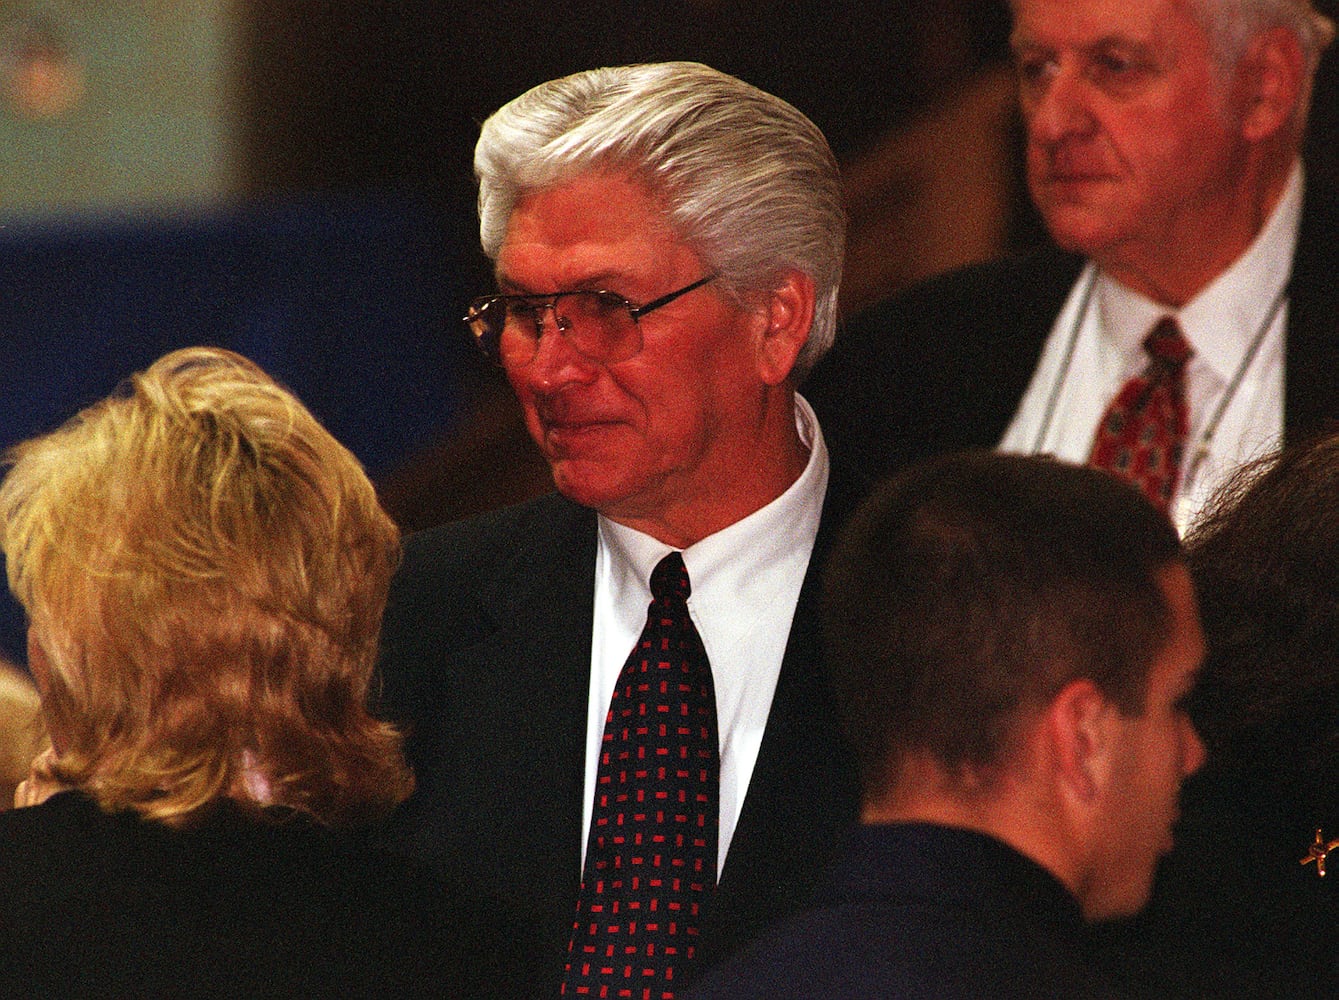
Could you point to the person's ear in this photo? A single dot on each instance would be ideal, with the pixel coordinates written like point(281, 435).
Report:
point(789, 313)
point(1271, 82)
point(1079, 724)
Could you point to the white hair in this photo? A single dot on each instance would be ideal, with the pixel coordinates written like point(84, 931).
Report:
point(1233, 23)
point(747, 180)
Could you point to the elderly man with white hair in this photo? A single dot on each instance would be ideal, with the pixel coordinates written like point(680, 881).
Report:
point(1186, 319)
point(668, 242)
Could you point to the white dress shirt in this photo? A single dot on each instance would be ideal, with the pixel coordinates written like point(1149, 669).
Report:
point(745, 584)
point(1234, 382)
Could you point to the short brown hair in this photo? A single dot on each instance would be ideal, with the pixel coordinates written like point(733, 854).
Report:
point(205, 569)
point(972, 587)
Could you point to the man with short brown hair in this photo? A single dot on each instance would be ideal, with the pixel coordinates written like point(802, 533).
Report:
point(1011, 640)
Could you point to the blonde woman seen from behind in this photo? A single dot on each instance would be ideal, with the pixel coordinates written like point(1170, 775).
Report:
point(204, 570)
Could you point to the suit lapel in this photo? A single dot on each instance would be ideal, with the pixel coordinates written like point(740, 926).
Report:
point(521, 690)
point(1000, 317)
point(803, 791)
point(1311, 397)
point(544, 607)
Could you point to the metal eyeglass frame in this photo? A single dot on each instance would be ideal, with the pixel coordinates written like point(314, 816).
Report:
point(540, 301)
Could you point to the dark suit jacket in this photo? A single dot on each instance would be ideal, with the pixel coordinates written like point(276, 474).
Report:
point(921, 912)
point(486, 657)
point(96, 905)
point(943, 367)
point(1234, 915)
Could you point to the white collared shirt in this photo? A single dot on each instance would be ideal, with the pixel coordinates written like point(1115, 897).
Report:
point(1236, 325)
point(745, 585)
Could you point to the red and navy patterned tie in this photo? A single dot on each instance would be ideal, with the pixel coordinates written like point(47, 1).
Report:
point(1143, 433)
point(651, 857)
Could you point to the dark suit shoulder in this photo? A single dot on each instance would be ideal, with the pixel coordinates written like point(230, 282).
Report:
point(1311, 403)
point(454, 573)
point(941, 366)
point(981, 300)
point(925, 912)
point(1320, 214)
point(95, 904)
point(490, 540)
point(460, 582)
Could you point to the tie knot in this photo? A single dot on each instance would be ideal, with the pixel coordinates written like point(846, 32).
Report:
point(670, 578)
point(1166, 344)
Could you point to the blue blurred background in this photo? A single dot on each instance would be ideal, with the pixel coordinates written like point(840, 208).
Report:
point(348, 301)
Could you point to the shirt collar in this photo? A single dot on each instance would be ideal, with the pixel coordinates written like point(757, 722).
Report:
point(907, 859)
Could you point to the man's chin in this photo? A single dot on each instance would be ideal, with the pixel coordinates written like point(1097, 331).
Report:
point(1079, 229)
point(586, 482)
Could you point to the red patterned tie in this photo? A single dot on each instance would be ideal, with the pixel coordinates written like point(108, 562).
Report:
point(1143, 432)
point(651, 857)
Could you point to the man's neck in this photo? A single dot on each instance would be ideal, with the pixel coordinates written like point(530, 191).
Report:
point(1174, 273)
point(748, 479)
point(684, 525)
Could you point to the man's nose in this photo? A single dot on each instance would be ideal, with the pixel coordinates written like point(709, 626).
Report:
point(1057, 106)
point(556, 361)
point(1193, 752)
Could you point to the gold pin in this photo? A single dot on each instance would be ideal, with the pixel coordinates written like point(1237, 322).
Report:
point(1319, 851)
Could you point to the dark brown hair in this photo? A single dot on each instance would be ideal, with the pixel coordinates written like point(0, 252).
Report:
point(1265, 558)
point(974, 586)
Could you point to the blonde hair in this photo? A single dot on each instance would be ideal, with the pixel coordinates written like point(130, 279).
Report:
point(205, 568)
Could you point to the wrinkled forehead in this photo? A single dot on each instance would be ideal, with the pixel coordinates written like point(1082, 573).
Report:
point(1089, 23)
point(585, 231)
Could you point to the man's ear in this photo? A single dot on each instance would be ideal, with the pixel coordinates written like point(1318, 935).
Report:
point(1271, 81)
point(1079, 724)
point(789, 313)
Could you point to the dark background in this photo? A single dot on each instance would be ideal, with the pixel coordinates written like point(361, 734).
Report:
point(346, 266)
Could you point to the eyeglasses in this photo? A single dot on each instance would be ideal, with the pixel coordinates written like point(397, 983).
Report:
point(600, 325)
